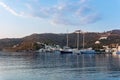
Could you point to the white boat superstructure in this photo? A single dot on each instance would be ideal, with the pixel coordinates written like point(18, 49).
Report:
point(66, 50)
point(76, 51)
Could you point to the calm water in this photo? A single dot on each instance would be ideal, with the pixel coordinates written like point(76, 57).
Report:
point(59, 67)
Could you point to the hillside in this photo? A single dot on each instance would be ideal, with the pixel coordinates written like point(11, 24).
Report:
point(29, 42)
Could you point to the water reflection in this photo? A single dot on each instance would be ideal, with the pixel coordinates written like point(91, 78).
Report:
point(48, 66)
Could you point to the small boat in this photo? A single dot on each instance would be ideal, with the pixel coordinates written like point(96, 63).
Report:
point(66, 50)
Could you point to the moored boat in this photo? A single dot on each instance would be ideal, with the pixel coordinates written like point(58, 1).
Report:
point(66, 50)
point(87, 51)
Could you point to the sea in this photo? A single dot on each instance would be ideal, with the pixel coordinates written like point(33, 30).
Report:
point(54, 66)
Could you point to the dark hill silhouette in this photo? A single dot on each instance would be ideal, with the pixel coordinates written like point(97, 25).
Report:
point(60, 39)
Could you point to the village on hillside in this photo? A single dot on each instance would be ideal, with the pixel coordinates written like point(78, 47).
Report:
point(106, 42)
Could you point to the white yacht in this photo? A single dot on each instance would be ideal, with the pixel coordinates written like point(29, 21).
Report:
point(66, 50)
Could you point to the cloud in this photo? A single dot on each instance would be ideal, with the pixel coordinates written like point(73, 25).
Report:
point(28, 6)
point(67, 12)
point(9, 9)
point(62, 20)
point(92, 18)
point(83, 11)
point(88, 19)
point(83, 1)
point(76, 14)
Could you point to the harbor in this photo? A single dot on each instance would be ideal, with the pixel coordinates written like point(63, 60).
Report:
point(81, 47)
point(59, 39)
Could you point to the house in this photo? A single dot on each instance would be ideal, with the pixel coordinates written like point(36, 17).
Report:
point(97, 42)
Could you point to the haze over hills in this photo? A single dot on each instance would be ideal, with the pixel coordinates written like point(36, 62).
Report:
point(26, 43)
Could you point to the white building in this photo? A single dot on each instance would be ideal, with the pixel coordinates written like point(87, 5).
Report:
point(97, 42)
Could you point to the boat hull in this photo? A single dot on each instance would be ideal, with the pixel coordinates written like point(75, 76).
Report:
point(66, 52)
point(87, 52)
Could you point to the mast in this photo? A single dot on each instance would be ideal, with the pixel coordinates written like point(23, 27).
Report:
point(78, 36)
point(83, 40)
point(67, 38)
point(78, 39)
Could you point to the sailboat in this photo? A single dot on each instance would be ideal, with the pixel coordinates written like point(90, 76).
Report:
point(86, 51)
point(66, 49)
point(77, 51)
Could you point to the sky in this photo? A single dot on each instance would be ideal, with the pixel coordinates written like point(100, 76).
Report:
point(19, 18)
